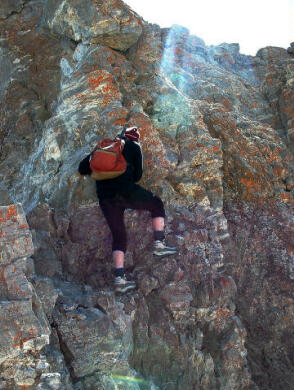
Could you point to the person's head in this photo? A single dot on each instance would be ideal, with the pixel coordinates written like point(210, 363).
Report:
point(132, 133)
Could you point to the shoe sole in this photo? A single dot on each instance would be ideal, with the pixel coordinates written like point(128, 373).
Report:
point(164, 253)
point(124, 289)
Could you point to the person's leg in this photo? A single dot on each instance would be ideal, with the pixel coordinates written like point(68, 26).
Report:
point(158, 223)
point(114, 213)
point(118, 258)
point(158, 216)
point(141, 199)
point(114, 216)
point(158, 228)
point(137, 198)
point(158, 213)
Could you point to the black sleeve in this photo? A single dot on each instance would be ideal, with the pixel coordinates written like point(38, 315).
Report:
point(137, 162)
point(84, 166)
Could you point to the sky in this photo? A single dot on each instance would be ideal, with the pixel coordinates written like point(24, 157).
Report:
point(251, 23)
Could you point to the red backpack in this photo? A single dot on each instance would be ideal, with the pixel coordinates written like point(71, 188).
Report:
point(107, 161)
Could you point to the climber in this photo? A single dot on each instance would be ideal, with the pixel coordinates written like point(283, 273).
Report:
point(116, 195)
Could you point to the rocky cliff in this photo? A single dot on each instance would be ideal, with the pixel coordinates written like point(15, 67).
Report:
point(217, 136)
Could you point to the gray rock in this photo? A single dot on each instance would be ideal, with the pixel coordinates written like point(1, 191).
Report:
point(8, 7)
point(112, 24)
point(15, 236)
point(216, 129)
point(47, 293)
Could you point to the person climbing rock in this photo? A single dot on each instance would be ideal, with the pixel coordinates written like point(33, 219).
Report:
point(121, 193)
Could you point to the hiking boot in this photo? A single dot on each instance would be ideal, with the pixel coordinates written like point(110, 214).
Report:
point(161, 249)
point(122, 285)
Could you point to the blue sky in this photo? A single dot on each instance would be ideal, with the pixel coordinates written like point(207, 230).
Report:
point(251, 23)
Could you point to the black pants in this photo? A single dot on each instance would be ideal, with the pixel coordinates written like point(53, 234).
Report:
point(136, 198)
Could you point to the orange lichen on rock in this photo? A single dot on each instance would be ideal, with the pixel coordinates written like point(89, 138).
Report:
point(11, 211)
point(103, 86)
point(286, 197)
point(251, 185)
point(94, 83)
point(20, 339)
point(121, 121)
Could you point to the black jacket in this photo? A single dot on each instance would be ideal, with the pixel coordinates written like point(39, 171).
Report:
point(107, 189)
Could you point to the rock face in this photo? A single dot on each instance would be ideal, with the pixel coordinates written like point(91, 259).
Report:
point(216, 131)
point(111, 23)
point(24, 327)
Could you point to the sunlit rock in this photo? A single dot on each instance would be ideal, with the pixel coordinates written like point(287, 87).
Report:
point(216, 133)
point(110, 22)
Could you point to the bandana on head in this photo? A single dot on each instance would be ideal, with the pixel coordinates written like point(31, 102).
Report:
point(132, 133)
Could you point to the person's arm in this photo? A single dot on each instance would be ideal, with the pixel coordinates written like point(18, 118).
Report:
point(137, 162)
point(84, 166)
